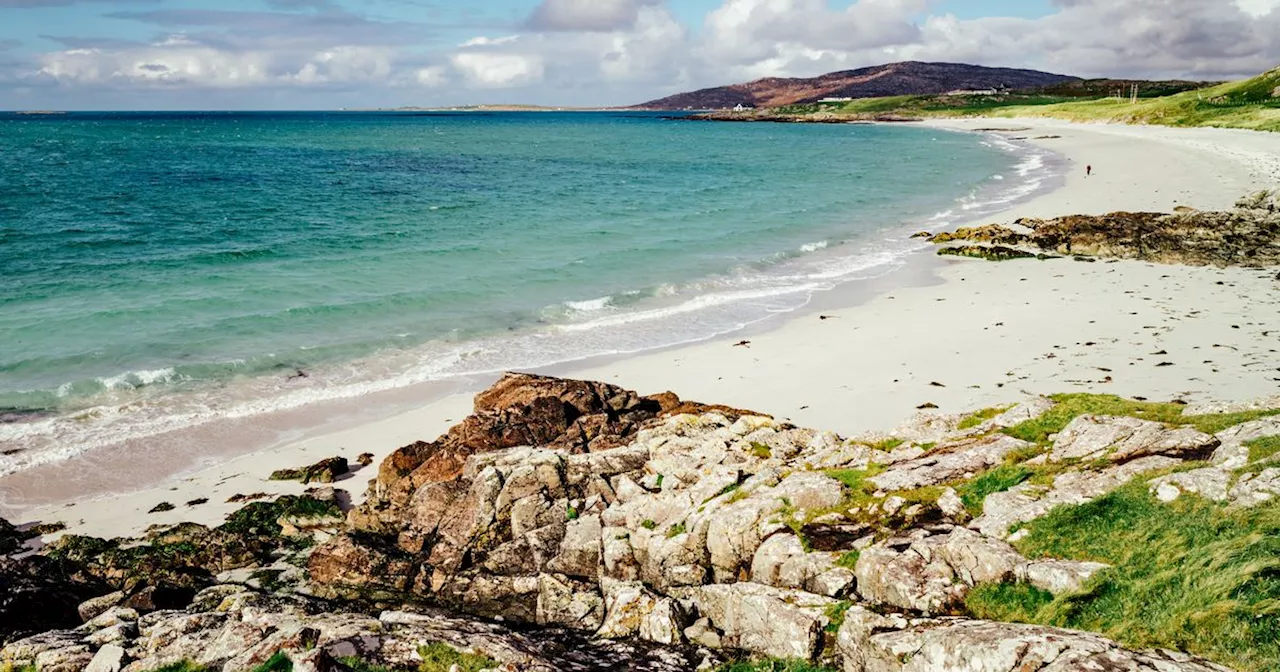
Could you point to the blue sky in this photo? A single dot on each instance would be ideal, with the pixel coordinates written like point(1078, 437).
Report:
point(163, 54)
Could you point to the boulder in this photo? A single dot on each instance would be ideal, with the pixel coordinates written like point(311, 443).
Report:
point(932, 574)
point(325, 471)
point(782, 562)
point(1120, 439)
point(1211, 483)
point(763, 620)
point(1058, 576)
point(353, 564)
point(1256, 489)
point(1233, 454)
point(949, 462)
point(109, 658)
point(633, 611)
point(869, 642)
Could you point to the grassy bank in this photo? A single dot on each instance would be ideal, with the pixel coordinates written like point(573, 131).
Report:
point(1249, 104)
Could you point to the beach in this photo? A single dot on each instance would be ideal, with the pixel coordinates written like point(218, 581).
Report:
point(952, 335)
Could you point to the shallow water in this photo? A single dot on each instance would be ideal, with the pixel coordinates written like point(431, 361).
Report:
point(162, 270)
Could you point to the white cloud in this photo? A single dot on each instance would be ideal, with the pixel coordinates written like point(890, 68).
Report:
point(498, 70)
point(587, 15)
point(624, 51)
point(1258, 8)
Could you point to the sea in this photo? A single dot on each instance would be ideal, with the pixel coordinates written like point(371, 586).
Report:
point(165, 270)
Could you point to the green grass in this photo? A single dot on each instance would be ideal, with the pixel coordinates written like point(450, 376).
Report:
point(1068, 407)
point(1263, 449)
point(855, 479)
point(649, 524)
point(441, 657)
point(999, 479)
point(849, 560)
point(1007, 602)
point(10, 667)
point(676, 530)
point(1191, 575)
point(981, 417)
point(357, 665)
point(761, 451)
point(773, 665)
point(835, 615)
point(277, 663)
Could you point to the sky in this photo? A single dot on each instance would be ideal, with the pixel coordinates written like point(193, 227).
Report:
point(328, 54)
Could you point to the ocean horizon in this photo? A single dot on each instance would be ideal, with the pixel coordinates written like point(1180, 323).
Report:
point(163, 270)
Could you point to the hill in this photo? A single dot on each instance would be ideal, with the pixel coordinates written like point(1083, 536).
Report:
point(894, 79)
point(1251, 104)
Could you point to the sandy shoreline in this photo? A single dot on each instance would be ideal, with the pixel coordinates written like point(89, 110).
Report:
point(984, 333)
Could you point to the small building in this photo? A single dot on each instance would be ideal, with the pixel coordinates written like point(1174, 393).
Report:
point(743, 108)
point(972, 92)
point(836, 100)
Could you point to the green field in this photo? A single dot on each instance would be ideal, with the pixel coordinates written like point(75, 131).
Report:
point(1251, 104)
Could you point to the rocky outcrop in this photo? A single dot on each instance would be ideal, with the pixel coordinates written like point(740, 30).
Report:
point(39, 594)
point(870, 642)
point(930, 573)
point(235, 629)
point(620, 532)
point(1248, 235)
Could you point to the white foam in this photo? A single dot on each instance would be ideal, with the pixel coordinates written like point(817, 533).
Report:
point(590, 306)
point(814, 247)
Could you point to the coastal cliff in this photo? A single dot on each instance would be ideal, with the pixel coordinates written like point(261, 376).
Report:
point(571, 525)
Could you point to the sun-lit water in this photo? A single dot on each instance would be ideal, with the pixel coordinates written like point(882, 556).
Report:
point(159, 270)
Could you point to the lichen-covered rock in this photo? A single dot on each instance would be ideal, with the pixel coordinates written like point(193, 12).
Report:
point(325, 471)
point(1058, 576)
point(873, 643)
point(782, 562)
point(1256, 489)
point(1120, 439)
point(949, 462)
point(1211, 483)
point(1233, 453)
point(932, 574)
point(766, 621)
point(631, 610)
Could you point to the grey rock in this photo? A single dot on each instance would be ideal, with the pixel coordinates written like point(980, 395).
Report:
point(872, 643)
point(1121, 439)
point(1059, 576)
point(763, 620)
point(1254, 490)
point(949, 462)
point(109, 658)
point(1211, 483)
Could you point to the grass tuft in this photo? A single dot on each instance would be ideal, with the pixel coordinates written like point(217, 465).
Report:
point(981, 417)
point(442, 658)
point(1068, 407)
point(999, 479)
point(1007, 602)
point(849, 560)
point(1263, 449)
point(1191, 575)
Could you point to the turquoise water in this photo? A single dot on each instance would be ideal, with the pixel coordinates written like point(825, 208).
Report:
point(158, 270)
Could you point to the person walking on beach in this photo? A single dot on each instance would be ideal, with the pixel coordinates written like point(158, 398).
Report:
point(1088, 171)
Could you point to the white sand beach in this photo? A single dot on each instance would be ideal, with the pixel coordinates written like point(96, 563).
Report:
point(957, 334)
